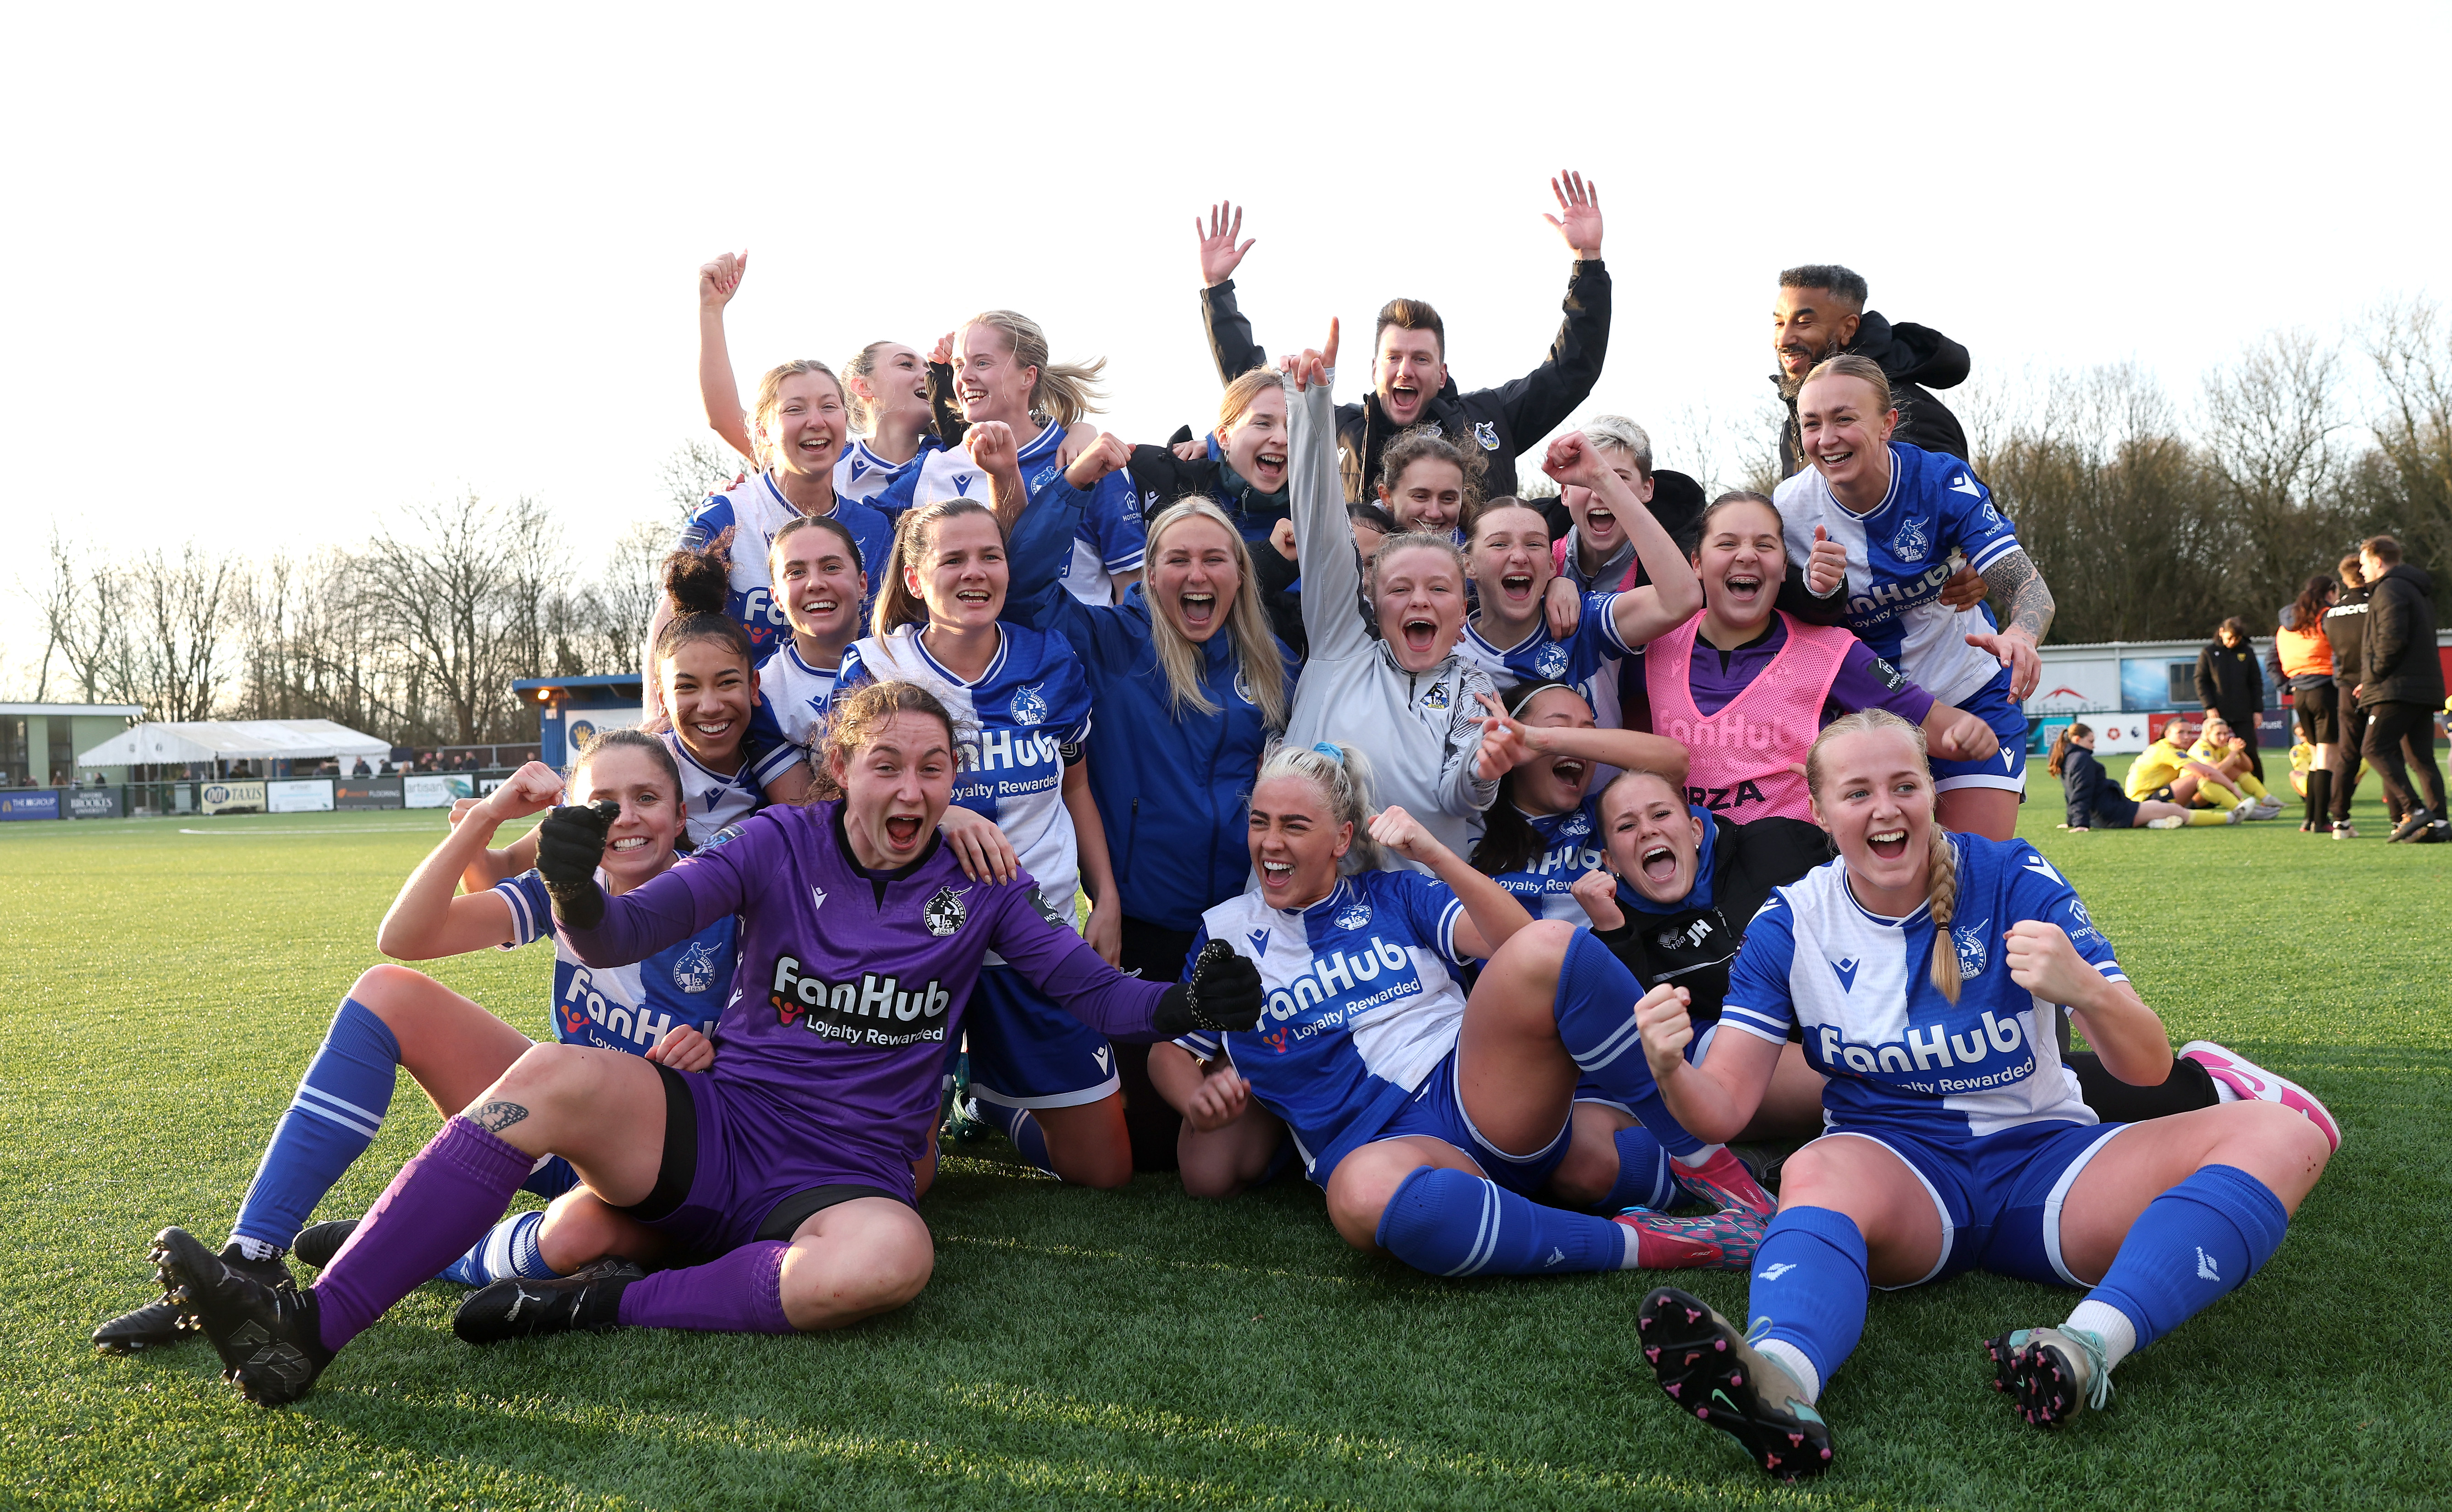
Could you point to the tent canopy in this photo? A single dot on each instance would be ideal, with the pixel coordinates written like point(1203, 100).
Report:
point(233, 740)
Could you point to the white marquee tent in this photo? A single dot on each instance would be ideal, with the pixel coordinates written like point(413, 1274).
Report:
point(233, 740)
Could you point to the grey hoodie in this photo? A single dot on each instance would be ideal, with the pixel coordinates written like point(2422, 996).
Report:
point(1421, 730)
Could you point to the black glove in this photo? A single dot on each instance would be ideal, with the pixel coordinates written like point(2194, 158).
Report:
point(570, 844)
point(1224, 993)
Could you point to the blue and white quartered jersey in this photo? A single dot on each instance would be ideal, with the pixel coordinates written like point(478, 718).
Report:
point(1016, 725)
point(1898, 558)
point(1110, 539)
point(711, 801)
point(1898, 1055)
point(863, 474)
point(625, 1007)
point(754, 512)
point(1363, 1002)
point(1586, 661)
point(792, 699)
point(1571, 846)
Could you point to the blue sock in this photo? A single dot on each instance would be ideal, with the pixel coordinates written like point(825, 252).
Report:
point(338, 1110)
point(508, 1249)
point(1809, 1283)
point(1643, 1178)
point(2191, 1245)
point(1022, 1130)
point(1595, 1011)
point(1453, 1224)
point(551, 1179)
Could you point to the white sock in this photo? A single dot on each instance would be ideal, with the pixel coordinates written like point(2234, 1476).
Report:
point(2224, 1092)
point(2107, 1324)
point(1700, 1158)
point(1791, 1359)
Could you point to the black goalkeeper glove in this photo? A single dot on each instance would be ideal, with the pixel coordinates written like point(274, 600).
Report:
point(570, 844)
point(1224, 993)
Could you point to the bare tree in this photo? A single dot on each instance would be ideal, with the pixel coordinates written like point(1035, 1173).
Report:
point(180, 612)
point(697, 470)
point(2410, 483)
point(2274, 420)
point(84, 608)
point(440, 592)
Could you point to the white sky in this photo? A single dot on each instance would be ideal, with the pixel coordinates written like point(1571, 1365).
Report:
point(272, 275)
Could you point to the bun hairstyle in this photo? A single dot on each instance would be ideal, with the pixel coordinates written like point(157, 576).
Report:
point(1425, 442)
point(853, 720)
point(1062, 394)
point(696, 584)
point(913, 535)
point(1865, 370)
point(1941, 888)
point(1342, 775)
point(1509, 841)
point(1257, 660)
point(2061, 741)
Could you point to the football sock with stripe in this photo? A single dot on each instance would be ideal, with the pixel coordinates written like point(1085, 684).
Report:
point(1020, 1127)
point(446, 1195)
point(1643, 1178)
point(1810, 1287)
point(1595, 1014)
point(2191, 1245)
point(1456, 1224)
point(509, 1250)
point(336, 1113)
point(2204, 818)
point(741, 1293)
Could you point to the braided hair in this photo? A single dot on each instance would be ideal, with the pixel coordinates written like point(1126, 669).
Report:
point(1941, 887)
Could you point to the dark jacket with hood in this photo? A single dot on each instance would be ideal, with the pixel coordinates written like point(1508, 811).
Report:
point(1502, 421)
point(2345, 625)
point(1917, 360)
point(2401, 665)
point(2231, 684)
point(1693, 945)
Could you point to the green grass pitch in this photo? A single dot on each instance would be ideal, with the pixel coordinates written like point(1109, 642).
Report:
point(162, 982)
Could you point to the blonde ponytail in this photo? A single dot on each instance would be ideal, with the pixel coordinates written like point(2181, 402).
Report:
point(1342, 774)
point(1941, 893)
point(1062, 394)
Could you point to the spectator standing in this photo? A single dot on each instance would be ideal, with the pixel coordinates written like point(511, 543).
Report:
point(2345, 630)
point(2230, 683)
point(2306, 657)
point(2400, 684)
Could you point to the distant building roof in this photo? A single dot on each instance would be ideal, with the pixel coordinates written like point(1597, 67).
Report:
point(92, 710)
point(232, 739)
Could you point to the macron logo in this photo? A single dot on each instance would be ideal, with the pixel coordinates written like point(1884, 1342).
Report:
point(1845, 971)
point(1259, 939)
point(1775, 1272)
point(1962, 484)
point(1100, 1055)
point(2040, 867)
point(2206, 1266)
point(817, 899)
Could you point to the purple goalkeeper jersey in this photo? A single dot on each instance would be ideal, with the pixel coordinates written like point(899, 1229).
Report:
point(851, 984)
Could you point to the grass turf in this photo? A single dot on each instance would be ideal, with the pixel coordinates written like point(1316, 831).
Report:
point(166, 980)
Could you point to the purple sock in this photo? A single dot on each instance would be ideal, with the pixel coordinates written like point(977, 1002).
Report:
point(741, 1293)
point(449, 1193)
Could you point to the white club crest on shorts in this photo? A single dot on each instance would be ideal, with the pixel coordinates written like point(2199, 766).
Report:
point(1354, 915)
point(944, 913)
point(1910, 543)
point(1029, 705)
point(1970, 939)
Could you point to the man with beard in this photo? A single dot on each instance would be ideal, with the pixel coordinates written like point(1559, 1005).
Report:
point(1821, 312)
point(1410, 384)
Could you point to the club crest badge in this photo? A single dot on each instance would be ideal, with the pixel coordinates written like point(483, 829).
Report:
point(1910, 543)
point(694, 969)
point(1577, 826)
point(1970, 939)
point(1243, 687)
point(1437, 699)
point(1354, 915)
point(1029, 705)
point(1551, 661)
point(1486, 434)
point(944, 913)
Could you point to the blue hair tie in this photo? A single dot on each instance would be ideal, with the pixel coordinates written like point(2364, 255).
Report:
point(1332, 750)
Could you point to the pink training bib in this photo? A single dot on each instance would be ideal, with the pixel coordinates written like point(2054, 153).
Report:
point(1739, 759)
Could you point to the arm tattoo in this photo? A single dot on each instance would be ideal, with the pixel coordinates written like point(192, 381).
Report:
point(495, 1116)
point(2013, 578)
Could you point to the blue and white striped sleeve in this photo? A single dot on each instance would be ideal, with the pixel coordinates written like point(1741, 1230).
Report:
point(773, 762)
point(531, 909)
point(1115, 524)
point(1758, 999)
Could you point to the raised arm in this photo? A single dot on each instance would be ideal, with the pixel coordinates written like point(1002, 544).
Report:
point(604, 931)
point(1492, 914)
point(425, 921)
point(1221, 993)
point(717, 386)
point(1674, 594)
point(1542, 400)
point(1332, 572)
point(1230, 335)
point(1507, 744)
